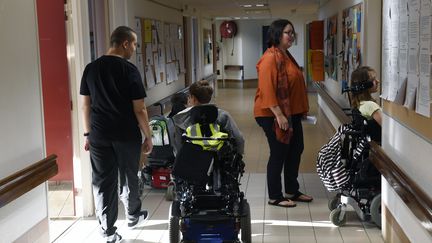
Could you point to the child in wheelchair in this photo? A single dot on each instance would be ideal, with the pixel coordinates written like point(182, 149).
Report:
point(208, 204)
point(343, 164)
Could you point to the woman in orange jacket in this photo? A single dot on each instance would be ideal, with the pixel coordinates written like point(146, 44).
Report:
point(280, 103)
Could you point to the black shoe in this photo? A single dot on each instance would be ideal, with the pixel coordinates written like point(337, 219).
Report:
point(136, 220)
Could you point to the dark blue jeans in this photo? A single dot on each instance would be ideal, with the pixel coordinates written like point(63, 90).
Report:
point(115, 167)
point(286, 156)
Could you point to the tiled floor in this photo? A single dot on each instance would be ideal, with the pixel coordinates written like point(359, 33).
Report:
point(60, 207)
point(308, 222)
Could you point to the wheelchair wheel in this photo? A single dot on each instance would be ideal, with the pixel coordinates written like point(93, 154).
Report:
point(245, 223)
point(334, 217)
point(170, 193)
point(334, 203)
point(173, 227)
point(375, 210)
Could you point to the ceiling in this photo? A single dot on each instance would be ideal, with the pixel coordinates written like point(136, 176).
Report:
point(236, 9)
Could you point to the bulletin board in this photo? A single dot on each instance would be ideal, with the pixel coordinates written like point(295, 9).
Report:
point(330, 47)
point(406, 63)
point(159, 53)
point(351, 41)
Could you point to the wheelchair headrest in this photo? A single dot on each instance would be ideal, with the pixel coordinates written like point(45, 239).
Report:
point(358, 88)
point(204, 114)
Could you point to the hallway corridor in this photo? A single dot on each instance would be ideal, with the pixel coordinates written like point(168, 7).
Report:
point(306, 223)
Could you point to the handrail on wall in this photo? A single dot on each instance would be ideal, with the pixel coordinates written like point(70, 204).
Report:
point(415, 198)
point(23, 181)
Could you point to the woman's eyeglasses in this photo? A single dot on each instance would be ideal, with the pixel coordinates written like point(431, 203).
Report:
point(290, 34)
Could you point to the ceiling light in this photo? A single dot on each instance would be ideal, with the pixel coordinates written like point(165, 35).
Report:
point(260, 4)
point(246, 5)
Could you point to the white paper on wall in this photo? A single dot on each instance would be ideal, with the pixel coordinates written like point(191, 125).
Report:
point(168, 52)
point(394, 85)
point(426, 5)
point(139, 48)
point(167, 32)
point(149, 54)
point(413, 59)
point(413, 28)
point(155, 42)
point(403, 8)
point(411, 91)
point(424, 99)
point(160, 31)
point(137, 26)
point(180, 56)
point(403, 31)
point(150, 78)
point(161, 53)
point(140, 66)
point(425, 29)
point(385, 83)
point(157, 67)
point(413, 5)
point(403, 60)
point(425, 61)
point(400, 96)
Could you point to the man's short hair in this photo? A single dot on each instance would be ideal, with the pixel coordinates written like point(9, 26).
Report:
point(120, 35)
point(202, 91)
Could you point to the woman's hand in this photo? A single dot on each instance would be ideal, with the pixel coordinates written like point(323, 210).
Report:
point(282, 122)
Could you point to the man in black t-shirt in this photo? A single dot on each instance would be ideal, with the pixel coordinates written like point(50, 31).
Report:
point(114, 113)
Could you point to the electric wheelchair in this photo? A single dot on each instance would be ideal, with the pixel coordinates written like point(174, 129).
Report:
point(208, 204)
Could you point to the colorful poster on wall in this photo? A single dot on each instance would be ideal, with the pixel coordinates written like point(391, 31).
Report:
point(330, 48)
point(351, 40)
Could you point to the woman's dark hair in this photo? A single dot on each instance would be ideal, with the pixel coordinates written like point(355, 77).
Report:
point(358, 77)
point(120, 35)
point(202, 91)
point(275, 31)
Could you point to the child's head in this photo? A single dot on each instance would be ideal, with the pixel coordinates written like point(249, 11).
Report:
point(363, 84)
point(201, 92)
point(179, 99)
point(178, 103)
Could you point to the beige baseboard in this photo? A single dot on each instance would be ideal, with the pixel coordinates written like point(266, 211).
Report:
point(38, 233)
point(391, 230)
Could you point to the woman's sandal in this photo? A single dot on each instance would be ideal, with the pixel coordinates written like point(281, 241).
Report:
point(277, 203)
point(298, 197)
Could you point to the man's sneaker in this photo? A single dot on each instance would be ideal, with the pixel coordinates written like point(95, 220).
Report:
point(114, 238)
point(134, 221)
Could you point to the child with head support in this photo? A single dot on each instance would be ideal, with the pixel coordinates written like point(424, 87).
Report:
point(363, 84)
point(200, 93)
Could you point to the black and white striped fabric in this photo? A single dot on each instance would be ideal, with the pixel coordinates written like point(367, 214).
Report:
point(330, 167)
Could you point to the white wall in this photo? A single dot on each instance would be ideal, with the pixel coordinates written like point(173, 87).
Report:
point(248, 45)
point(21, 129)
point(370, 44)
